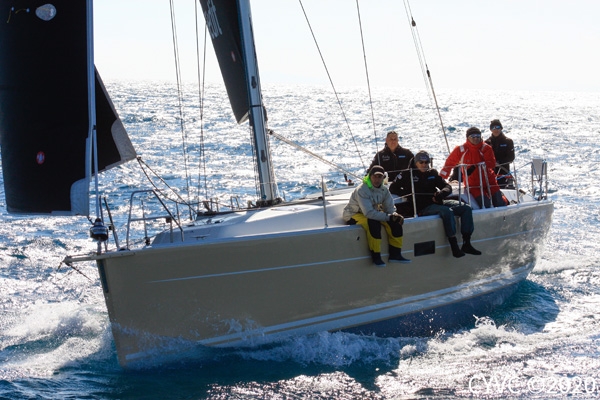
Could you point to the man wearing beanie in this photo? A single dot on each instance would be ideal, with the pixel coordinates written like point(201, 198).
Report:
point(426, 193)
point(371, 206)
point(480, 179)
point(504, 151)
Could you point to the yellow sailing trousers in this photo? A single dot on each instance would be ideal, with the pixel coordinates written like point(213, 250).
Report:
point(374, 234)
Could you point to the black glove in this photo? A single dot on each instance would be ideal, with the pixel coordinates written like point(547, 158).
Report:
point(470, 170)
point(395, 217)
point(438, 197)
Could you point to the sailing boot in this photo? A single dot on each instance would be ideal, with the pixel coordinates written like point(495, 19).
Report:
point(467, 247)
point(377, 259)
point(396, 255)
point(456, 251)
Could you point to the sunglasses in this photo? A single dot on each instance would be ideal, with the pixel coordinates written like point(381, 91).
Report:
point(475, 136)
point(496, 127)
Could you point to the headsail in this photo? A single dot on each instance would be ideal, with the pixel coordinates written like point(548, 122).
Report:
point(114, 146)
point(47, 108)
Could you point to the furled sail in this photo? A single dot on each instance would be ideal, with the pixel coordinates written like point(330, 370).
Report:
point(223, 22)
point(47, 108)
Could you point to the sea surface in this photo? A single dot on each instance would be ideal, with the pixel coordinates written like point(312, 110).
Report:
point(55, 338)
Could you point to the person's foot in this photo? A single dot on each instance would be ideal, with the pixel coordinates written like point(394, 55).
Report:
point(377, 259)
point(399, 259)
point(469, 249)
point(456, 251)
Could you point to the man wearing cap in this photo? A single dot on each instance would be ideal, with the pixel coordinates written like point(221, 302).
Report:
point(427, 192)
point(371, 206)
point(393, 158)
point(475, 157)
point(504, 151)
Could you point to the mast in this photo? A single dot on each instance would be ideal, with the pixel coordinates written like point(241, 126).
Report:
point(257, 113)
point(229, 23)
point(91, 166)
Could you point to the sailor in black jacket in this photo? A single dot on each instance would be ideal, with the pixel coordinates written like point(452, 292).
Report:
point(393, 158)
point(429, 191)
point(504, 151)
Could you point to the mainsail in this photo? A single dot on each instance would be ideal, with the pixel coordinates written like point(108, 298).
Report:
point(50, 95)
point(230, 25)
point(223, 24)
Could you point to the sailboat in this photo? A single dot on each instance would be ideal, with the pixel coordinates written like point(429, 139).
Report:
point(241, 277)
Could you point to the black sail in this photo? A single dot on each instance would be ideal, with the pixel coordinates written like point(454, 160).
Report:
point(114, 146)
point(222, 19)
point(45, 109)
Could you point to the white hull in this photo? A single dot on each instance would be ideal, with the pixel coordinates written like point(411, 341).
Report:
point(224, 286)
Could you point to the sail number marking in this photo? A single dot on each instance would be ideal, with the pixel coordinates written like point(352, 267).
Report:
point(212, 21)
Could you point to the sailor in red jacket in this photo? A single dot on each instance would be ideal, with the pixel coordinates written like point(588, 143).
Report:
point(470, 154)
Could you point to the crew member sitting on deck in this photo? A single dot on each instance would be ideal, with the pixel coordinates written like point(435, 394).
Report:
point(371, 206)
point(429, 191)
point(472, 153)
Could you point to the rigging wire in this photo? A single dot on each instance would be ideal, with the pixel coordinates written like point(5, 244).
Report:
point(145, 166)
point(332, 85)
point(362, 40)
point(180, 101)
point(201, 93)
point(305, 150)
point(179, 200)
point(424, 68)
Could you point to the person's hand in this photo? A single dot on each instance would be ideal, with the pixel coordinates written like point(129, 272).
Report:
point(470, 170)
point(395, 217)
point(438, 198)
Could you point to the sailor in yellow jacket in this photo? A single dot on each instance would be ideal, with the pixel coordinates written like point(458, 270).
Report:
point(371, 206)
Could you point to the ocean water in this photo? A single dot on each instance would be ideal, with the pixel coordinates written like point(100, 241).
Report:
point(55, 339)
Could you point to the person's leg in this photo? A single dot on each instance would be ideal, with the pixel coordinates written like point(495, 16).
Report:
point(395, 239)
point(465, 213)
point(498, 199)
point(373, 230)
point(486, 201)
point(447, 217)
point(445, 214)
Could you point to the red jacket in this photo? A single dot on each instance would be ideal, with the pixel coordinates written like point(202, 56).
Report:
point(470, 154)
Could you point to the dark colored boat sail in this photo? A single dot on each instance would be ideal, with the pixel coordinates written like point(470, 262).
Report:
point(47, 112)
point(226, 38)
point(230, 25)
